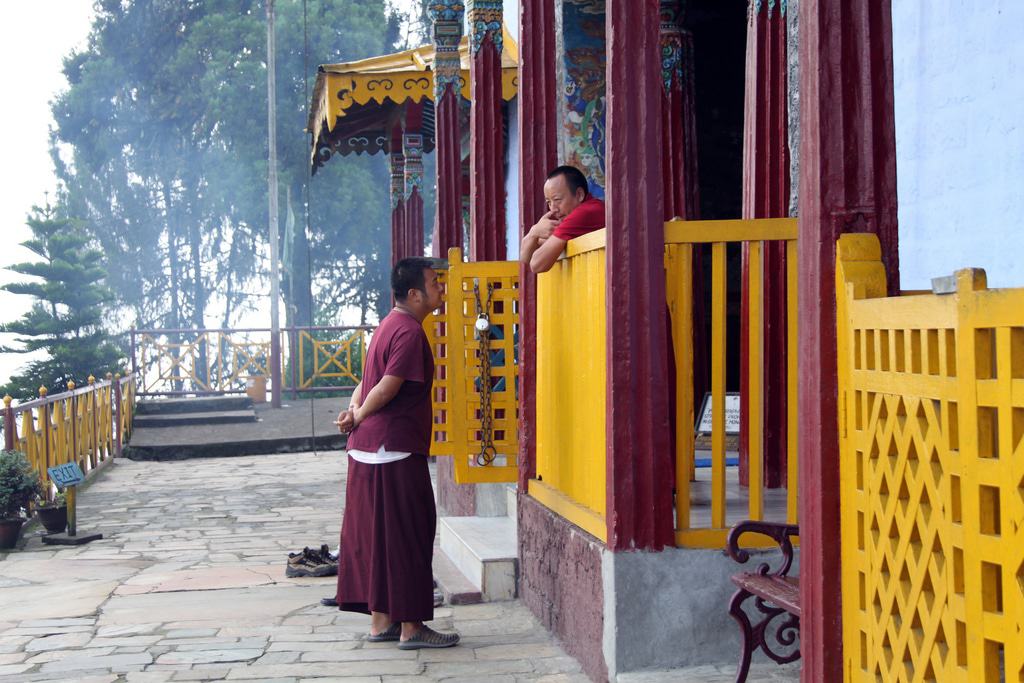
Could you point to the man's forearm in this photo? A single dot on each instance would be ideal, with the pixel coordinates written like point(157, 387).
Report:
point(356, 399)
point(527, 247)
point(379, 396)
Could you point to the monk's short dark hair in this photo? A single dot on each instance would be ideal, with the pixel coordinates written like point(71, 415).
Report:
point(408, 274)
point(574, 178)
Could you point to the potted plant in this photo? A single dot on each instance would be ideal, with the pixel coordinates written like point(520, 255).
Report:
point(19, 486)
point(54, 515)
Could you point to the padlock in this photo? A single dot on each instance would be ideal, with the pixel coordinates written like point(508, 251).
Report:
point(482, 324)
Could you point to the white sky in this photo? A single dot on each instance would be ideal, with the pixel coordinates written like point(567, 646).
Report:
point(34, 37)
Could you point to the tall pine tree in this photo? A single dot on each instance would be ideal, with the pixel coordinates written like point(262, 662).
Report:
point(66, 319)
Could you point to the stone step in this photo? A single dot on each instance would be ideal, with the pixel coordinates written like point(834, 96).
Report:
point(456, 588)
point(192, 404)
point(185, 419)
point(483, 549)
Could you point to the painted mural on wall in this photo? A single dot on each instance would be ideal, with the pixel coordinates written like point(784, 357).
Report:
point(584, 41)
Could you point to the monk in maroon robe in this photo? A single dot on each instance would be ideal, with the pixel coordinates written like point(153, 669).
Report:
point(387, 534)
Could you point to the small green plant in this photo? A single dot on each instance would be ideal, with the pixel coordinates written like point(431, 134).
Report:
point(19, 485)
point(60, 499)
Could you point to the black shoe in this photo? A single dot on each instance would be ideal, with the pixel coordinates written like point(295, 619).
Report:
point(329, 602)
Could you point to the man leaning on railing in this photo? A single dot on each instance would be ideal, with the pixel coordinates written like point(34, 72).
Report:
point(572, 211)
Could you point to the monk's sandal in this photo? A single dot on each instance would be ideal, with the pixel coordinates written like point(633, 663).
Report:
point(389, 634)
point(428, 638)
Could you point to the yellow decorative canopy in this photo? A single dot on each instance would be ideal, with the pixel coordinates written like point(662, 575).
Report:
point(353, 102)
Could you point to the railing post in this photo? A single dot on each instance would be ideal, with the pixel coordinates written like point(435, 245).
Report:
point(73, 455)
point(95, 422)
point(117, 415)
point(44, 417)
point(8, 424)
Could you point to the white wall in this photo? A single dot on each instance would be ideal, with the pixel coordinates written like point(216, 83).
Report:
point(959, 86)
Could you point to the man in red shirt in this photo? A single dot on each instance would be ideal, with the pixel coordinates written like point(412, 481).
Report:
point(387, 534)
point(572, 211)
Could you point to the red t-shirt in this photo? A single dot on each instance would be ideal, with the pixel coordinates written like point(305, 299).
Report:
point(587, 217)
point(400, 348)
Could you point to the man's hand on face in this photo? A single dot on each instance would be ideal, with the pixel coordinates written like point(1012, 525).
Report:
point(545, 227)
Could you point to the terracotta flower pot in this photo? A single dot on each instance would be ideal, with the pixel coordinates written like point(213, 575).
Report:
point(10, 531)
point(53, 517)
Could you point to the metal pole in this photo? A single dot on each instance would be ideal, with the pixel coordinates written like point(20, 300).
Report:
point(275, 324)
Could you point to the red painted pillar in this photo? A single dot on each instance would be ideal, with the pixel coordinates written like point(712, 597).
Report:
point(847, 184)
point(487, 155)
point(397, 159)
point(412, 149)
point(538, 154)
point(680, 181)
point(639, 509)
point(766, 195)
point(447, 19)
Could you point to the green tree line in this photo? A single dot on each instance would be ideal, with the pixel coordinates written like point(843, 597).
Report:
point(160, 148)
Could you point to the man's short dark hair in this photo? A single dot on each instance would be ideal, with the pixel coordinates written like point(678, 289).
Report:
point(574, 178)
point(408, 274)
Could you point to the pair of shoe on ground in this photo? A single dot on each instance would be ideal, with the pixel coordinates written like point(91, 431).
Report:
point(312, 562)
point(426, 637)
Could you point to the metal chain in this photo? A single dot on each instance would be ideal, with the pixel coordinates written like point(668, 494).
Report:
point(483, 331)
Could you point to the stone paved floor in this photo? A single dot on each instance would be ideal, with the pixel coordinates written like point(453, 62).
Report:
point(188, 585)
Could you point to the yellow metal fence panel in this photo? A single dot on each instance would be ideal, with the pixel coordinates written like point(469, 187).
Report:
point(480, 372)
point(571, 356)
point(932, 476)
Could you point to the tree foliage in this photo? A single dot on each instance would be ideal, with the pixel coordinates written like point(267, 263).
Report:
point(66, 319)
point(161, 144)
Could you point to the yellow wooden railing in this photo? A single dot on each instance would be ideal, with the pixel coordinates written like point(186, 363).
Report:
point(931, 391)
point(570, 411)
point(680, 238)
point(220, 361)
point(491, 288)
point(86, 425)
point(571, 334)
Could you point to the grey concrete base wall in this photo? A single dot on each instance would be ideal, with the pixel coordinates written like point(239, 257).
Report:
point(455, 500)
point(669, 609)
point(560, 581)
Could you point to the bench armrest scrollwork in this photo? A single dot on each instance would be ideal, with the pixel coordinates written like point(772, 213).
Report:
point(780, 533)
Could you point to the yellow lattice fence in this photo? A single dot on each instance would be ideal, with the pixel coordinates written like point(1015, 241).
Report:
point(489, 288)
point(932, 476)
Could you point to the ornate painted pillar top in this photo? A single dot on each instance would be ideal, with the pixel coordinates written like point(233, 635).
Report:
point(756, 5)
point(397, 163)
point(484, 19)
point(671, 36)
point(412, 146)
point(447, 17)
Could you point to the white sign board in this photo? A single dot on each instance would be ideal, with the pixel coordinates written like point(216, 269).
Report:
point(68, 474)
point(732, 414)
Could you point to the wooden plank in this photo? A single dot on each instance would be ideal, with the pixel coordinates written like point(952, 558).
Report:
point(792, 363)
point(755, 379)
point(718, 370)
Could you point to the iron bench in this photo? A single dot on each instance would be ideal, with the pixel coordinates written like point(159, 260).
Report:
point(774, 594)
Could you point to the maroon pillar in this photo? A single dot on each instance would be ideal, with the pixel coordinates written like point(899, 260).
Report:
point(639, 481)
point(538, 154)
point(680, 181)
point(399, 247)
point(412, 149)
point(487, 155)
point(766, 195)
point(847, 184)
point(447, 19)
